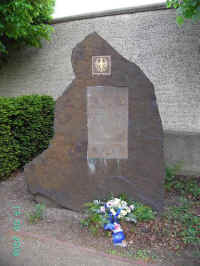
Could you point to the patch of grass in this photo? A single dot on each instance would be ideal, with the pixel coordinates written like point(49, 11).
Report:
point(184, 186)
point(186, 223)
point(37, 214)
point(170, 173)
point(93, 221)
point(145, 254)
point(142, 254)
point(121, 252)
point(113, 252)
point(142, 212)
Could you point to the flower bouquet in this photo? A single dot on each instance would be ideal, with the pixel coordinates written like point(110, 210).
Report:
point(116, 208)
point(108, 214)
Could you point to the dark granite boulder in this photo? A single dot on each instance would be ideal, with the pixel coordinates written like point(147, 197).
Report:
point(108, 134)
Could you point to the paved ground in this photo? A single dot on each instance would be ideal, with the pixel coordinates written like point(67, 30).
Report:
point(38, 250)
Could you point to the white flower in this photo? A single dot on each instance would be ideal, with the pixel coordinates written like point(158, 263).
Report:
point(109, 204)
point(132, 207)
point(123, 204)
point(102, 209)
point(128, 209)
point(113, 211)
point(114, 203)
point(123, 213)
point(96, 201)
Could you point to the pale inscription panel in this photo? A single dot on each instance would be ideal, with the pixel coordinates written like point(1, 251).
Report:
point(107, 118)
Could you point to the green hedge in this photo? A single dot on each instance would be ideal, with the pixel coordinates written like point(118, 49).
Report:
point(26, 126)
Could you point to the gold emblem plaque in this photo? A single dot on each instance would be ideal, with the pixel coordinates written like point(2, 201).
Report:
point(107, 122)
point(101, 65)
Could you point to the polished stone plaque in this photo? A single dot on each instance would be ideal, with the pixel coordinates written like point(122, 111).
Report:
point(107, 114)
point(101, 65)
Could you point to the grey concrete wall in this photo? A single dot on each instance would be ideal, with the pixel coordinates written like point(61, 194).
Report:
point(184, 148)
point(168, 55)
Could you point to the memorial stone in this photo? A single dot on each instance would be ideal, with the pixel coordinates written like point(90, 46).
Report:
point(108, 134)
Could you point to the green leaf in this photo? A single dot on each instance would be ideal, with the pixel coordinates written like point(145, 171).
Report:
point(195, 17)
point(168, 4)
point(176, 5)
point(194, 3)
point(179, 20)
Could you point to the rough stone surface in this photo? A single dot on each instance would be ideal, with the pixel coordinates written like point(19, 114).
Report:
point(65, 174)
